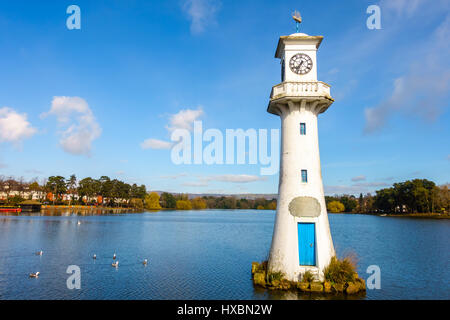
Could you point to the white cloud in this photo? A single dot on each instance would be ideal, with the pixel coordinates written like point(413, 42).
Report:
point(195, 184)
point(64, 107)
point(204, 181)
point(235, 178)
point(371, 184)
point(402, 7)
point(184, 119)
point(180, 120)
point(351, 164)
point(201, 13)
point(34, 171)
point(14, 127)
point(218, 191)
point(80, 126)
point(356, 188)
point(424, 90)
point(341, 189)
point(156, 144)
point(396, 9)
point(333, 71)
point(174, 176)
point(359, 178)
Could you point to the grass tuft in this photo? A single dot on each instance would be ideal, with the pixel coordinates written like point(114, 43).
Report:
point(271, 276)
point(308, 276)
point(341, 271)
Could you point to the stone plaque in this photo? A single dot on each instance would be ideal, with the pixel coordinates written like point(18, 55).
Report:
point(304, 207)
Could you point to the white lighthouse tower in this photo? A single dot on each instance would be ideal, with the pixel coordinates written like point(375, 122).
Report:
point(301, 239)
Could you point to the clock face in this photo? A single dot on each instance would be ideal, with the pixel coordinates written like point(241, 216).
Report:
point(301, 63)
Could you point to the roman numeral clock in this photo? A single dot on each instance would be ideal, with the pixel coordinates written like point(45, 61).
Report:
point(301, 63)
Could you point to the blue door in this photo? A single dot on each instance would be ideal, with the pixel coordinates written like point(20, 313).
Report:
point(307, 244)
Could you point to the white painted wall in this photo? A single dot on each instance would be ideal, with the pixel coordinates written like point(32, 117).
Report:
point(299, 152)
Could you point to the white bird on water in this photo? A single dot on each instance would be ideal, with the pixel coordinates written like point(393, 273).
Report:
point(39, 253)
point(79, 222)
point(115, 264)
point(34, 275)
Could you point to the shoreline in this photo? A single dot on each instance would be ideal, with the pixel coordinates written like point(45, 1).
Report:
point(421, 215)
point(48, 206)
point(404, 215)
point(122, 209)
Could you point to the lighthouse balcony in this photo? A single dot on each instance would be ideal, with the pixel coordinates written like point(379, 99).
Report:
point(314, 89)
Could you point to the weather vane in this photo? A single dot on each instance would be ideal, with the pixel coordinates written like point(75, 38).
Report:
point(297, 18)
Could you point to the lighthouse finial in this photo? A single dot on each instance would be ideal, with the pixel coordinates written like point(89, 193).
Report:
point(297, 18)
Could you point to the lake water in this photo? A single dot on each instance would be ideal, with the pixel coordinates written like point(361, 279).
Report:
point(205, 255)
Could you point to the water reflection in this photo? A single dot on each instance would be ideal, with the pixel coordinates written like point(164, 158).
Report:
point(75, 211)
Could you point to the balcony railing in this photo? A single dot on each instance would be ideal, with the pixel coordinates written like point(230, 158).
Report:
point(300, 89)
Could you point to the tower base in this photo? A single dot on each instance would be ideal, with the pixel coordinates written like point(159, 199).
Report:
point(262, 277)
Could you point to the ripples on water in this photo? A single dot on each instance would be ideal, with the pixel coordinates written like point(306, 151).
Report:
point(205, 255)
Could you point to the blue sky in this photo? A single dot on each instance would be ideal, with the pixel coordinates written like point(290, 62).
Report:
point(135, 65)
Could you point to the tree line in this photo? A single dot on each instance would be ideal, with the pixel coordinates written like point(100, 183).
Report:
point(182, 202)
point(58, 190)
point(411, 196)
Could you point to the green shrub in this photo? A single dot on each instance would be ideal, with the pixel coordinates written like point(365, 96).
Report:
point(308, 276)
point(15, 200)
point(271, 276)
point(335, 207)
point(259, 267)
point(264, 265)
point(137, 203)
point(183, 205)
point(340, 271)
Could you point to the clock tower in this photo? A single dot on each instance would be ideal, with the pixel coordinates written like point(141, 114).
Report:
point(301, 239)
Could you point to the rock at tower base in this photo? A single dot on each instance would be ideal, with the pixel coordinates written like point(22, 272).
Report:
point(275, 281)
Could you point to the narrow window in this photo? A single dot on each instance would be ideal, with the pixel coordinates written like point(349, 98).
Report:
point(302, 128)
point(304, 176)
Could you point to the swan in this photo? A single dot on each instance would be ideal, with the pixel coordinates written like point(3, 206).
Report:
point(115, 264)
point(34, 275)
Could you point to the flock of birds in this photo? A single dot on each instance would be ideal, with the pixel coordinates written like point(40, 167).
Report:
point(114, 264)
